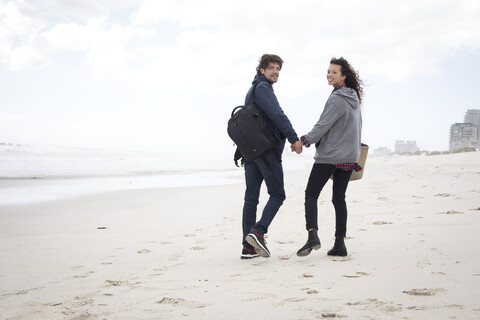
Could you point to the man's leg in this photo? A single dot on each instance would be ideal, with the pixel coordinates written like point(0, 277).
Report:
point(273, 177)
point(253, 182)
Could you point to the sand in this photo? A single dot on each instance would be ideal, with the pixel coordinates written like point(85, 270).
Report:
point(413, 243)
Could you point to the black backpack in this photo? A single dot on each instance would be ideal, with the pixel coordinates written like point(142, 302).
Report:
point(251, 133)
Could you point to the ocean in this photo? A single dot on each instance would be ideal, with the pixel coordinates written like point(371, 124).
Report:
point(38, 173)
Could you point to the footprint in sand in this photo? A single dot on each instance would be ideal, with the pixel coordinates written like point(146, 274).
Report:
point(356, 275)
point(444, 195)
point(332, 315)
point(423, 292)
point(76, 267)
point(21, 292)
point(451, 212)
point(258, 297)
point(379, 223)
point(173, 301)
point(160, 269)
point(114, 283)
point(424, 263)
point(448, 306)
point(294, 299)
point(175, 256)
point(83, 316)
point(180, 302)
point(362, 302)
point(385, 306)
point(85, 275)
point(340, 259)
point(285, 241)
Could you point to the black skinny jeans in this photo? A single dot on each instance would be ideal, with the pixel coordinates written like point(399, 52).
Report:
point(317, 180)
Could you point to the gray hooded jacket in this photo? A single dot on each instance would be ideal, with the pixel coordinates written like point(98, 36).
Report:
point(338, 129)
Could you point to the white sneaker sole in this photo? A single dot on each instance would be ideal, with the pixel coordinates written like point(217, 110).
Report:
point(249, 256)
point(261, 250)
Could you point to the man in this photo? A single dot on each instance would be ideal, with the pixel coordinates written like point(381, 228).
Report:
point(257, 171)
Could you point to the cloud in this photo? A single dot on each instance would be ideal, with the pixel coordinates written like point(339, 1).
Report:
point(214, 45)
point(26, 57)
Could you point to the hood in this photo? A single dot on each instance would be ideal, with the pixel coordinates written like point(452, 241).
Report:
point(260, 77)
point(349, 95)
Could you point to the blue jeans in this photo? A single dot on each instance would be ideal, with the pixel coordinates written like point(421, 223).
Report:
point(256, 172)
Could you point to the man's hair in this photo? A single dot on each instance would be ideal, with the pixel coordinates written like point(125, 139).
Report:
point(266, 59)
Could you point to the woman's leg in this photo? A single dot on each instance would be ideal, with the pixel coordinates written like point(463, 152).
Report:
point(340, 184)
point(318, 178)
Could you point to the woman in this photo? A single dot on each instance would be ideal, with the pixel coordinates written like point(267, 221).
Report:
point(337, 137)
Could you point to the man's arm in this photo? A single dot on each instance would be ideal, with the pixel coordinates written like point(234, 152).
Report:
point(267, 101)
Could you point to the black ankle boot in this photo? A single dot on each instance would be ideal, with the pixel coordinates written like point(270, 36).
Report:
point(339, 248)
point(313, 242)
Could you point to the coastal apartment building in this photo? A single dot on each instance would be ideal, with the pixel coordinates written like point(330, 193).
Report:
point(466, 134)
point(473, 116)
point(406, 146)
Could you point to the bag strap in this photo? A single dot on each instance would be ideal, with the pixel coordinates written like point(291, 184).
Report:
point(238, 156)
point(249, 99)
point(250, 96)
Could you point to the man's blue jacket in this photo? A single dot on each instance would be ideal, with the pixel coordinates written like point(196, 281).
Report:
point(264, 99)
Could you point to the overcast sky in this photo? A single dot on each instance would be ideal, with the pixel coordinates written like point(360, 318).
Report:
point(165, 75)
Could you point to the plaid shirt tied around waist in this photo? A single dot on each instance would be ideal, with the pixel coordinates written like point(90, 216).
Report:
point(348, 166)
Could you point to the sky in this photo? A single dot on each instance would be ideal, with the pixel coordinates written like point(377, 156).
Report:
point(165, 75)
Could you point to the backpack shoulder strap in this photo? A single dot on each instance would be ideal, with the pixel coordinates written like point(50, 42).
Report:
point(250, 96)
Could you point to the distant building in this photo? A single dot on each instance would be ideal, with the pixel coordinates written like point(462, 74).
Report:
point(406, 146)
point(464, 135)
point(473, 116)
point(382, 151)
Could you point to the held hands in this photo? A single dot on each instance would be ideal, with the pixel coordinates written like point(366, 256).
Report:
point(297, 147)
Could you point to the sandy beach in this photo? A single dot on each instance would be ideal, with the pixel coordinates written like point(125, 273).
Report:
point(174, 253)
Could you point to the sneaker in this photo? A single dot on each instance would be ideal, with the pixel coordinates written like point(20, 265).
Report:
point(258, 242)
point(249, 253)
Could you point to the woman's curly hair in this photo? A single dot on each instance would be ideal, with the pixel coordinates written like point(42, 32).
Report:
point(352, 79)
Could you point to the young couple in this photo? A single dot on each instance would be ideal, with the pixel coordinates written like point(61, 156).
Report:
point(337, 138)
